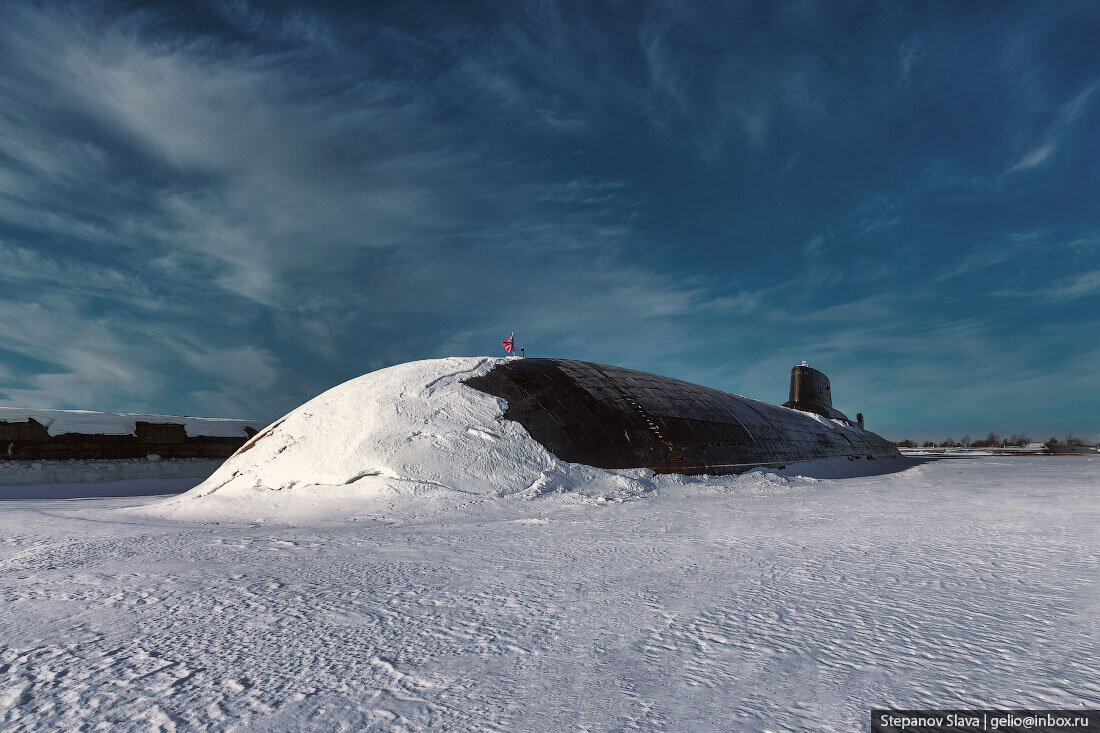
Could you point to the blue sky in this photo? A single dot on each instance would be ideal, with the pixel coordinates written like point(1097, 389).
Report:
point(226, 209)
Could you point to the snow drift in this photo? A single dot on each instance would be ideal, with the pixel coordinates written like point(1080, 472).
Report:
point(411, 430)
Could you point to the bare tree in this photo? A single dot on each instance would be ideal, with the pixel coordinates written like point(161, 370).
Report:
point(989, 441)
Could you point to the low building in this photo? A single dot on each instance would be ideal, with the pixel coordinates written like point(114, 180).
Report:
point(30, 434)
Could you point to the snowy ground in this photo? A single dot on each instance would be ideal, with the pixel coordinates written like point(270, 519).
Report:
point(748, 603)
point(67, 479)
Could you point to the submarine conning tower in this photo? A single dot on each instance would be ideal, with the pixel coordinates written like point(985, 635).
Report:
point(810, 387)
point(610, 417)
point(810, 392)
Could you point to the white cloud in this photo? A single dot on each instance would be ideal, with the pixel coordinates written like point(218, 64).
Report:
point(247, 210)
point(248, 218)
point(1056, 133)
point(1034, 158)
point(1087, 283)
point(910, 53)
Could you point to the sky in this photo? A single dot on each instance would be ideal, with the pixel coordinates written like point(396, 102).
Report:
point(224, 209)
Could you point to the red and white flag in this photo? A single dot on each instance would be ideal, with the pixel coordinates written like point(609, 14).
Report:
point(509, 343)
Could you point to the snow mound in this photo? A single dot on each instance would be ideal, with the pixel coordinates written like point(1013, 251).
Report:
point(413, 431)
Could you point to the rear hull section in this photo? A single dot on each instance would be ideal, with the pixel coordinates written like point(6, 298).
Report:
point(610, 417)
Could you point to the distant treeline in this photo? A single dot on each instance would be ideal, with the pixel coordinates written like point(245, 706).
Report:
point(991, 440)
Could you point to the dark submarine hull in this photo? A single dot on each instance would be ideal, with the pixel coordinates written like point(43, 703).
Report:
point(610, 417)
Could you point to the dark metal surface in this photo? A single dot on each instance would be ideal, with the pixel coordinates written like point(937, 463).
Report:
point(611, 417)
point(811, 392)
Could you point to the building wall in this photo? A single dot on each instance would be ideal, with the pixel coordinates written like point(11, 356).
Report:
point(30, 440)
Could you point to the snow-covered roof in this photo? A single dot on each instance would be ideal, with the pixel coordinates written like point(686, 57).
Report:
point(59, 422)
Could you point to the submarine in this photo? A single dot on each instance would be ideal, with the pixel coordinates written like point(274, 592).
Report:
point(611, 417)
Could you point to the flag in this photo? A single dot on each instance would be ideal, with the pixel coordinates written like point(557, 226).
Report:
point(509, 343)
